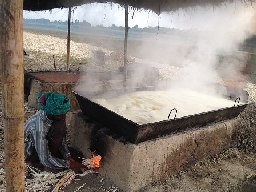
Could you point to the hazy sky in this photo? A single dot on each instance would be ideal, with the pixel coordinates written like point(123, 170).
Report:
point(108, 14)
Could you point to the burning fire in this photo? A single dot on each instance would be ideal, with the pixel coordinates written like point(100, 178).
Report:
point(95, 160)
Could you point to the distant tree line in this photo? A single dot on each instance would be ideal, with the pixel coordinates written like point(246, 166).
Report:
point(85, 24)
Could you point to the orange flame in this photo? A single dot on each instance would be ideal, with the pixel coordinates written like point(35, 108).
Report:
point(95, 160)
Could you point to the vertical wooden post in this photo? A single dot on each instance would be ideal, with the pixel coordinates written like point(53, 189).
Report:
point(68, 38)
point(11, 45)
point(125, 43)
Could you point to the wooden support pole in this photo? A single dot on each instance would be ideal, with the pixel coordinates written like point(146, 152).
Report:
point(68, 38)
point(11, 60)
point(125, 43)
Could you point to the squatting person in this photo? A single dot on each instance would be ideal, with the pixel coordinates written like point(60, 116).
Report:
point(45, 134)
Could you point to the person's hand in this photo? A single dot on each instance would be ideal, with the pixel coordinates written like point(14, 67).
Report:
point(76, 166)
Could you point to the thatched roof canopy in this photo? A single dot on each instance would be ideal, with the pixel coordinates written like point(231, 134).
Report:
point(154, 5)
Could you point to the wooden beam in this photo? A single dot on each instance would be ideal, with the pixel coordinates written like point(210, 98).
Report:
point(125, 43)
point(11, 60)
point(68, 38)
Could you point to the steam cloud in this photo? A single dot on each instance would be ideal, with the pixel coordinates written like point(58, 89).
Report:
point(195, 58)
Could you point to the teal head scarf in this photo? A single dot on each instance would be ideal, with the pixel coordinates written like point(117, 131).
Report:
point(53, 103)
